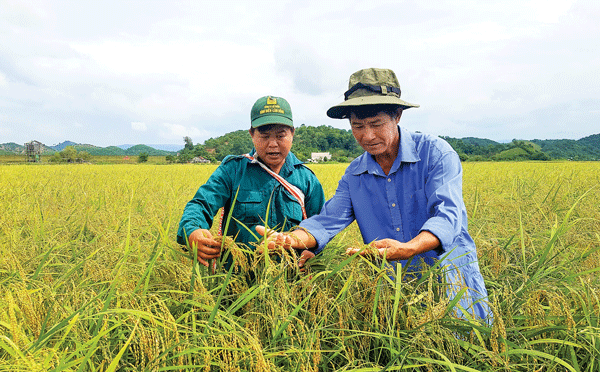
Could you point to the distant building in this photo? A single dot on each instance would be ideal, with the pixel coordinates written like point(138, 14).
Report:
point(33, 151)
point(316, 157)
point(199, 159)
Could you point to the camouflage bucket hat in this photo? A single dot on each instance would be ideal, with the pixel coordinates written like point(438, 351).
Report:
point(371, 86)
point(271, 110)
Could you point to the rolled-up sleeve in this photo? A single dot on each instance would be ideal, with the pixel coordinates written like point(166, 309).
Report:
point(444, 199)
point(335, 216)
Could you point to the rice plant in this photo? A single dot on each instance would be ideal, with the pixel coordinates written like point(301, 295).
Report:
point(92, 280)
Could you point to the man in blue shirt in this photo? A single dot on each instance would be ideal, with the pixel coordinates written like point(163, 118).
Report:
point(405, 192)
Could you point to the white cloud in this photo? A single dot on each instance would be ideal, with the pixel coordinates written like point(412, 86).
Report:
point(5, 131)
point(139, 126)
point(178, 132)
point(475, 67)
point(550, 11)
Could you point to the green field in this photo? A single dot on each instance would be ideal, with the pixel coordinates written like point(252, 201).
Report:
point(92, 279)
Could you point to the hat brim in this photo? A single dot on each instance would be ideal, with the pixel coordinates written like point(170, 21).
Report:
point(272, 119)
point(341, 111)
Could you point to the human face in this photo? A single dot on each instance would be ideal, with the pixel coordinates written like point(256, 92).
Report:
point(273, 145)
point(377, 135)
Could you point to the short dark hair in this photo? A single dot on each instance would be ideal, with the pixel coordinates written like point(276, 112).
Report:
point(268, 127)
point(368, 111)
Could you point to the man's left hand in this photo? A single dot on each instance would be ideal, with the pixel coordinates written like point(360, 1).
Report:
point(394, 250)
point(391, 249)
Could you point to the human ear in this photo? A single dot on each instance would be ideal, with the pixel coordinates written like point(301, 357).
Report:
point(398, 115)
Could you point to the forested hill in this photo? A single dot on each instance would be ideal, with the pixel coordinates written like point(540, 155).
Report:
point(343, 147)
point(307, 139)
point(587, 148)
point(340, 143)
point(476, 149)
point(15, 149)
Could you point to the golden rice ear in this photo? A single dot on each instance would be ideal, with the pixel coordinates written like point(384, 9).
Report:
point(240, 259)
point(370, 250)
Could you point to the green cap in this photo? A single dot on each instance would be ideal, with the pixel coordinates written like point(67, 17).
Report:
point(371, 86)
point(271, 110)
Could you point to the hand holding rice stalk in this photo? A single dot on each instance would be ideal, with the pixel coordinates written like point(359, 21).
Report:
point(276, 242)
point(393, 250)
point(207, 247)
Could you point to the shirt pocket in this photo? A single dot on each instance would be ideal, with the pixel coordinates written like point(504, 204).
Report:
point(249, 206)
point(292, 210)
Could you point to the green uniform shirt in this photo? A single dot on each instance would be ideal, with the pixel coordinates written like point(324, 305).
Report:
point(256, 189)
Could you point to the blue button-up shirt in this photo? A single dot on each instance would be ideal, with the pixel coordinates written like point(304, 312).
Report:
point(422, 192)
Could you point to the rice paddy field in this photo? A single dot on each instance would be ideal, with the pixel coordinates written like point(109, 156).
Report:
point(91, 279)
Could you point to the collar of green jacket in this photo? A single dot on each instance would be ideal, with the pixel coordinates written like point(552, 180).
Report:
point(291, 161)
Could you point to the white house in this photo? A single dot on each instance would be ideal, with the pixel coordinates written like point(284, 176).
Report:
point(199, 159)
point(316, 157)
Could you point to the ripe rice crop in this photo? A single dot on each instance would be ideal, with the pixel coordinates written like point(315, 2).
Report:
point(92, 279)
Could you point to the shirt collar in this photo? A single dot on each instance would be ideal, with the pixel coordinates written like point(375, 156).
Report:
point(291, 161)
point(407, 153)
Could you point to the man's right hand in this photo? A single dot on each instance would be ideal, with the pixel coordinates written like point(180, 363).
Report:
point(297, 239)
point(207, 248)
point(276, 241)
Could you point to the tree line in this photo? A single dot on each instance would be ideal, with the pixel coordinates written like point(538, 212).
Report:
point(70, 155)
point(343, 147)
point(307, 139)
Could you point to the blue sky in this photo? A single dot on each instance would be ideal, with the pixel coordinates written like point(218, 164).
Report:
point(115, 72)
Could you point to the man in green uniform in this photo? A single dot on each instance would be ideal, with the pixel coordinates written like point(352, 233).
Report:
point(269, 174)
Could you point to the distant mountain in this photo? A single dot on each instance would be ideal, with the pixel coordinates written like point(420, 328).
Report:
point(587, 148)
point(342, 145)
point(164, 147)
point(100, 151)
point(12, 148)
point(61, 146)
point(592, 141)
point(118, 151)
point(137, 149)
